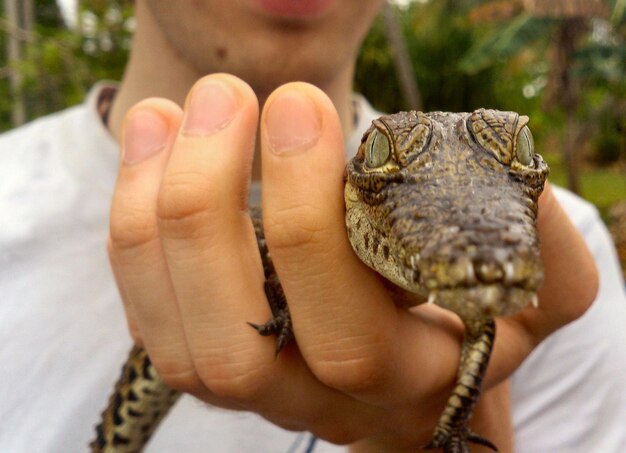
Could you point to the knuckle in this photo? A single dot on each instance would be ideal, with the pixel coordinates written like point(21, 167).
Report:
point(302, 227)
point(178, 375)
point(185, 202)
point(131, 228)
point(135, 334)
point(353, 369)
point(356, 376)
point(335, 433)
point(241, 382)
point(286, 423)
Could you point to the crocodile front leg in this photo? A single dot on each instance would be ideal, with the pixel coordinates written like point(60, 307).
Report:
point(452, 432)
point(280, 323)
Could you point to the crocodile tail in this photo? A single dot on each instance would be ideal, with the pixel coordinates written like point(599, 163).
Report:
point(138, 404)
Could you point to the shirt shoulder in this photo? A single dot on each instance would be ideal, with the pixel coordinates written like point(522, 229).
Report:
point(25, 146)
point(42, 124)
point(50, 164)
point(58, 131)
point(73, 138)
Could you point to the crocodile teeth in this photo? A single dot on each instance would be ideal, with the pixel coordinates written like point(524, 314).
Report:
point(411, 275)
point(470, 274)
point(509, 273)
point(414, 259)
point(535, 301)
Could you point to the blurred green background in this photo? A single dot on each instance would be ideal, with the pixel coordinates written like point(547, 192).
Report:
point(563, 63)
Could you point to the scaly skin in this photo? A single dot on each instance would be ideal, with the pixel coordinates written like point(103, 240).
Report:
point(138, 404)
point(444, 206)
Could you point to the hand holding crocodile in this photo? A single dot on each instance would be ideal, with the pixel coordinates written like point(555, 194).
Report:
point(193, 267)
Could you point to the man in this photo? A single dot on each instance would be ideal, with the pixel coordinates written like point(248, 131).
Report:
point(185, 260)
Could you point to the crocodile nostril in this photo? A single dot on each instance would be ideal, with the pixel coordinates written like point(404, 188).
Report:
point(488, 271)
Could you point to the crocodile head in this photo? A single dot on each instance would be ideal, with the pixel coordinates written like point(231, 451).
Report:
point(444, 205)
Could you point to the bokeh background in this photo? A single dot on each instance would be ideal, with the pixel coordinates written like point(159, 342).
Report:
point(561, 62)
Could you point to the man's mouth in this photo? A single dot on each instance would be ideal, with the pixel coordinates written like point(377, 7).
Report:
point(297, 9)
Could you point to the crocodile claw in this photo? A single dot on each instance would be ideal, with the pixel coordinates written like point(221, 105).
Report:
point(456, 442)
point(279, 325)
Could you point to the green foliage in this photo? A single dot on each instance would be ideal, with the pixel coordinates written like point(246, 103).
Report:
point(107, 28)
point(439, 36)
point(611, 139)
point(374, 71)
point(48, 15)
point(619, 11)
point(522, 32)
point(48, 67)
point(59, 64)
point(54, 76)
point(602, 63)
point(5, 96)
point(602, 186)
point(598, 67)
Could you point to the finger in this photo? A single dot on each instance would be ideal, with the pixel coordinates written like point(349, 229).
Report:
point(570, 275)
point(207, 234)
point(136, 254)
point(215, 268)
point(129, 311)
point(347, 327)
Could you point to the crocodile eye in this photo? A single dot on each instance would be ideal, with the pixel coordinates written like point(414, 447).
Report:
point(525, 147)
point(377, 149)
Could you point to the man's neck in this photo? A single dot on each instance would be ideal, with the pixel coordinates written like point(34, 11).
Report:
point(156, 70)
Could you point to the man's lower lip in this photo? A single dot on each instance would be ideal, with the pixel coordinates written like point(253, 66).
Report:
point(294, 8)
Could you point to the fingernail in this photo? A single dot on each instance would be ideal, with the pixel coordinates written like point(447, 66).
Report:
point(293, 122)
point(146, 135)
point(212, 106)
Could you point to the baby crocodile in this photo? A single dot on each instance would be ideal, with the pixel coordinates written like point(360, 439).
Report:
point(444, 206)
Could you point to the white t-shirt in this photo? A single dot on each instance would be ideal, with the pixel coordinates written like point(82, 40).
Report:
point(63, 334)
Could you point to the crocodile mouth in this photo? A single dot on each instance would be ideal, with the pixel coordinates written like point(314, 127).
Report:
point(469, 297)
point(487, 300)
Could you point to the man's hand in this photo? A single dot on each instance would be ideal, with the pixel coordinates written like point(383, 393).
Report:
point(185, 258)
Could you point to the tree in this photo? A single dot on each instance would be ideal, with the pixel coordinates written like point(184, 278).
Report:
point(57, 65)
point(18, 23)
point(585, 76)
point(401, 59)
point(438, 34)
